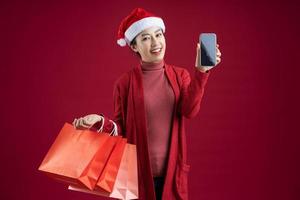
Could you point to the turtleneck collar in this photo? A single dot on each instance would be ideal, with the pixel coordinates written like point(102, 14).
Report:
point(149, 66)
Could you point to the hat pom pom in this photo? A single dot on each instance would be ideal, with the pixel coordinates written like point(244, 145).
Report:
point(121, 42)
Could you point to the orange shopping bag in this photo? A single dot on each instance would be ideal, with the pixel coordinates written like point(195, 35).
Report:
point(126, 182)
point(78, 156)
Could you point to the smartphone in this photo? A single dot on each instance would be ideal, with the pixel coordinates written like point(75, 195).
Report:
point(208, 42)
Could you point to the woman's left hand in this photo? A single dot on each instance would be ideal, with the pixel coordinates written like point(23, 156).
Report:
point(205, 68)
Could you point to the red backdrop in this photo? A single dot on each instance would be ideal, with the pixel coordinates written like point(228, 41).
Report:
point(59, 60)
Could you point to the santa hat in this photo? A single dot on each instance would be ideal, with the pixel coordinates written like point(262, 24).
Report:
point(136, 22)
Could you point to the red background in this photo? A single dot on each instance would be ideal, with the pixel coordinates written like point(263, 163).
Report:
point(59, 60)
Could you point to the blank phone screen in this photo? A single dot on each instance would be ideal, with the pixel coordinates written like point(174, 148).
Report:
point(208, 49)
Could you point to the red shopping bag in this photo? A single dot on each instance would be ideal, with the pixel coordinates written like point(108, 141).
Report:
point(126, 182)
point(109, 174)
point(78, 156)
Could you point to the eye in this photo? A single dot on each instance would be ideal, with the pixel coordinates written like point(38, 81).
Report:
point(159, 35)
point(145, 38)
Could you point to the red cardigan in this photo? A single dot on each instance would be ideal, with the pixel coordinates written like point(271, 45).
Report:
point(129, 114)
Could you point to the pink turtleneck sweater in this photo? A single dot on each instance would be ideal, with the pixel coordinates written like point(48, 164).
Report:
point(159, 104)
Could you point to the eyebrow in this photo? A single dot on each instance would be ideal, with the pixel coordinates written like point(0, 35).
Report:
point(149, 34)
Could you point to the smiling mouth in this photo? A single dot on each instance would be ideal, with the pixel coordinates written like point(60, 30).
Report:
point(155, 51)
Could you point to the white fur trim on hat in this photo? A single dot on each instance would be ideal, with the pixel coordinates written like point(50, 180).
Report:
point(121, 42)
point(141, 25)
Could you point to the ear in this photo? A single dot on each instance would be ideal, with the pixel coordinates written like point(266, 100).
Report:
point(133, 47)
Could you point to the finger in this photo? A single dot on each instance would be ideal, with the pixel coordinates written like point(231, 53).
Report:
point(85, 124)
point(74, 122)
point(218, 52)
point(197, 55)
point(82, 124)
point(77, 123)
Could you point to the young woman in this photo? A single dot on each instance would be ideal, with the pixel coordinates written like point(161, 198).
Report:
point(150, 104)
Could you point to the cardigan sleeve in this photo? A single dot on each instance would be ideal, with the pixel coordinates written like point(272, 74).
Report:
point(118, 117)
point(191, 92)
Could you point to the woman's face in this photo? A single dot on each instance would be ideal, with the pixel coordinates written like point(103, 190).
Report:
point(150, 44)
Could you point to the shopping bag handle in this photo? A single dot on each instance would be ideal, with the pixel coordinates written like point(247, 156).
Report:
point(114, 131)
point(102, 125)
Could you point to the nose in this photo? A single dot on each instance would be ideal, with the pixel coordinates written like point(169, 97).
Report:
point(154, 41)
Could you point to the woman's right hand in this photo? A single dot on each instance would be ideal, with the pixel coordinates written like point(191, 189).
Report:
point(87, 121)
point(198, 58)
